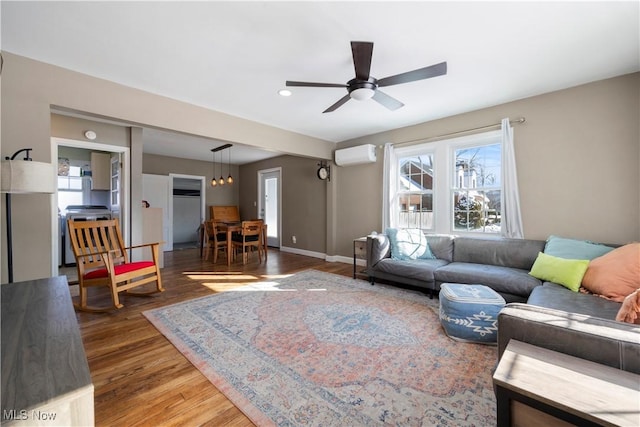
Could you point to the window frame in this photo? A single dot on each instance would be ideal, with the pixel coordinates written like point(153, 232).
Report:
point(486, 139)
point(443, 152)
point(411, 154)
point(85, 188)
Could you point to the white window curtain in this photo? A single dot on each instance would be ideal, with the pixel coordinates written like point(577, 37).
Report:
point(389, 188)
point(511, 218)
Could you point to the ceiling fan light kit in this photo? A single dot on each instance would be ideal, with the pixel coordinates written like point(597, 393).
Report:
point(362, 93)
point(364, 87)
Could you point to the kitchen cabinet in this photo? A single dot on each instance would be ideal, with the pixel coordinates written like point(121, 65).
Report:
point(114, 177)
point(100, 171)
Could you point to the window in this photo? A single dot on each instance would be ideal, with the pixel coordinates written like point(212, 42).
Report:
point(415, 190)
point(476, 195)
point(450, 186)
point(70, 188)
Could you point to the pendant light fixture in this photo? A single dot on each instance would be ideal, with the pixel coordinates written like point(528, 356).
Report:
point(229, 178)
point(213, 176)
point(221, 181)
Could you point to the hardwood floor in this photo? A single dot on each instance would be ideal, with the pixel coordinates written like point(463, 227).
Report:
point(139, 377)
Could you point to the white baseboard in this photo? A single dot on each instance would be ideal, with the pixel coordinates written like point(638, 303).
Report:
point(302, 252)
point(345, 259)
point(328, 258)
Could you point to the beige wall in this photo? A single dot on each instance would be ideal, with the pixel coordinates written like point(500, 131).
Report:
point(578, 158)
point(30, 89)
point(225, 195)
point(74, 128)
point(304, 200)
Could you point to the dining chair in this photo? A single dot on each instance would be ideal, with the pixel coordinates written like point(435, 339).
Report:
point(214, 240)
point(249, 237)
point(264, 241)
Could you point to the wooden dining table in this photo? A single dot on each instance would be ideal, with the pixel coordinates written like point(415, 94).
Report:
point(236, 227)
point(229, 228)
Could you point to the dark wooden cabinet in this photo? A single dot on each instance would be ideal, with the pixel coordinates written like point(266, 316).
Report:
point(45, 375)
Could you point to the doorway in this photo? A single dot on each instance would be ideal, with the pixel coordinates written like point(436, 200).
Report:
point(114, 196)
point(270, 203)
point(186, 210)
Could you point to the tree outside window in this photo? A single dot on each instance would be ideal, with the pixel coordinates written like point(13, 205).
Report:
point(449, 186)
point(476, 192)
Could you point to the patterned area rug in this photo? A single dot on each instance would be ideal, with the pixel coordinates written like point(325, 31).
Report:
point(320, 349)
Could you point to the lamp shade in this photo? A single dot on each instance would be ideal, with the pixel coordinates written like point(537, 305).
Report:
point(20, 176)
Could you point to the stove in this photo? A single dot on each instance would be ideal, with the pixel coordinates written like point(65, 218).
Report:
point(87, 209)
point(79, 213)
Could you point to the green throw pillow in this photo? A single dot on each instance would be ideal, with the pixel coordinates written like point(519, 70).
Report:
point(565, 272)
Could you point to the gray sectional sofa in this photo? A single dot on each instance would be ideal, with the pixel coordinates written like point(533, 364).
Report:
point(501, 264)
point(553, 317)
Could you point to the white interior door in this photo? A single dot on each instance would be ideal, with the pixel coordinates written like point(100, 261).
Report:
point(269, 205)
point(155, 190)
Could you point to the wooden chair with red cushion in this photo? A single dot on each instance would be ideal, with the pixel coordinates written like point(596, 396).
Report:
point(102, 260)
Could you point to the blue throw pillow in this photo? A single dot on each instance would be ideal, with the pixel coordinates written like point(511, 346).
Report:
point(574, 249)
point(408, 243)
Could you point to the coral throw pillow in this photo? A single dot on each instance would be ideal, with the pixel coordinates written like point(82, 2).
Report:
point(615, 274)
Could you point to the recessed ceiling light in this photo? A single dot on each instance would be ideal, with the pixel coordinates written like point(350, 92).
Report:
point(284, 92)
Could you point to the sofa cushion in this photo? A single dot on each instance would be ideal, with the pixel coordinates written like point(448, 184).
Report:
point(441, 246)
point(516, 253)
point(566, 272)
point(408, 243)
point(418, 269)
point(615, 274)
point(552, 295)
point(501, 279)
point(574, 249)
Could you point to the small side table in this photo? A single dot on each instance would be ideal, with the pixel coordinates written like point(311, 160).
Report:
point(359, 252)
point(536, 386)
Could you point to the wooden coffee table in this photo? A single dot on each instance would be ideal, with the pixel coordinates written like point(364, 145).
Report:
point(539, 387)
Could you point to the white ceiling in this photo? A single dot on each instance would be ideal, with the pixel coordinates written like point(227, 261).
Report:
point(165, 143)
point(233, 57)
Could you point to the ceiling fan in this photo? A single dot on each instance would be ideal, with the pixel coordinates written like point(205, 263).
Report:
point(363, 86)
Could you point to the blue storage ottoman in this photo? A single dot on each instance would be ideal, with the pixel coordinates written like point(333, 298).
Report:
point(470, 312)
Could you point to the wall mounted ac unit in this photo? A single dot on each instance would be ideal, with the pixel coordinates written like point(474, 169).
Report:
point(356, 155)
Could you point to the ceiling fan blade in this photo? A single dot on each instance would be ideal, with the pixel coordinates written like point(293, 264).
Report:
point(387, 101)
point(340, 102)
point(311, 84)
point(412, 76)
point(362, 52)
